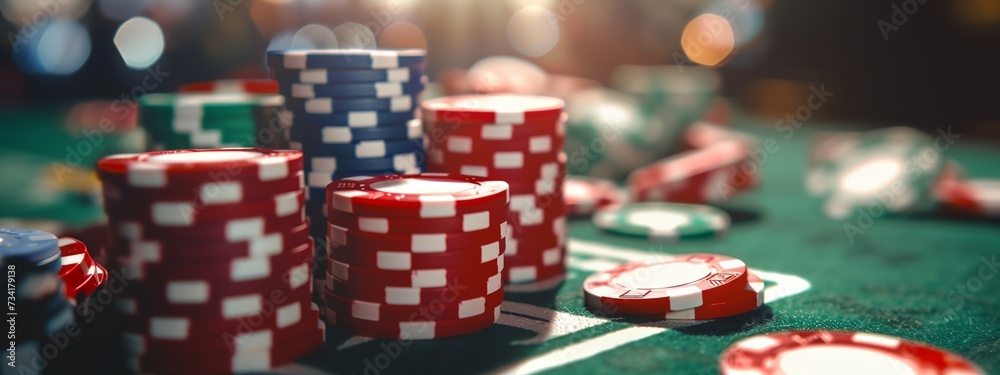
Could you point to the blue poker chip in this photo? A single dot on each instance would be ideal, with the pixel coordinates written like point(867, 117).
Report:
point(29, 246)
point(396, 104)
point(398, 162)
point(345, 58)
point(360, 149)
point(342, 134)
point(354, 119)
point(324, 76)
point(352, 90)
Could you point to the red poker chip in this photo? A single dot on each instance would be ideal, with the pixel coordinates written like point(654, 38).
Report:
point(286, 349)
point(586, 194)
point(168, 328)
point(77, 265)
point(234, 86)
point(426, 195)
point(225, 308)
point(404, 260)
point(546, 169)
point(432, 278)
point(187, 213)
point(253, 360)
point(462, 223)
point(159, 169)
point(88, 286)
point(440, 309)
point(694, 176)
point(973, 197)
point(684, 282)
point(493, 160)
point(237, 269)
point(839, 352)
point(184, 251)
point(195, 290)
point(456, 145)
point(492, 109)
point(412, 330)
point(235, 229)
point(222, 191)
point(495, 132)
point(743, 302)
point(412, 296)
point(415, 243)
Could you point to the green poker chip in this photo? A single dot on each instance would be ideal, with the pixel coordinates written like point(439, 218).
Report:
point(211, 120)
point(662, 220)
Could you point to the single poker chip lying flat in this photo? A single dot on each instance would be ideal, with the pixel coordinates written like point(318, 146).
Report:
point(492, 109)
point(343, 134)
point(160, 168)
point(662, 220)
point(406, 296)
point(352, 90)
point(426, 195)
point(430, 278)
point(442, 309)
point(326, 76)
point(839, 352)
point(423, 243)
point(413, 330)
point(345, 58)
point(404, 260)
point(685, 282)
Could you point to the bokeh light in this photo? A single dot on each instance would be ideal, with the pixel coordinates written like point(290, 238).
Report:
point(402, 35)
point(25, 12)
point(314, 36)
point(533, 31)
point(59, 47)
point(140, 41)
point(353, 35)
point(708, 39)
point(746, 18)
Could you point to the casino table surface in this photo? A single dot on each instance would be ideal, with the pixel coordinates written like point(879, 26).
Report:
point(924, 277)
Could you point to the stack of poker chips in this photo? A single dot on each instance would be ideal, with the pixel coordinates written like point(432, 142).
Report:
point(215, 249)
point(517, 139)
point(215, 114)
point(352, 114)
point(415, 256)
point(679, 287)
point(37, 306)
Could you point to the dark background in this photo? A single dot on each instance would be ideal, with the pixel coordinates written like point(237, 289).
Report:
point(939, 68)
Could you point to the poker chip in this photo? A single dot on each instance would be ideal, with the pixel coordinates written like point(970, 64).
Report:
point(327, 76)
point(492, 109)
point(78, 267)
point(669, 221)
point(395, 104)
point(206, 243)
point(215, 114)
point(418, 243)
point(972, 197)
point(425, 278)
point(413, 296)
point(461, 223)
point(839, 352)
point(259, 359)
point(740, 302)
point(352, 90)
point(682, 283)
point(362, 149)
point(706, 175)
point(404, 260)
point(584, 195)
point(345, 58)
point(341, 134)
point(233, 86)
point(413, 330)
point(453, 307)
point(426, 195)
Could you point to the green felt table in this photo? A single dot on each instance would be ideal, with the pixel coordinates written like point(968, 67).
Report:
point(923, 277)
